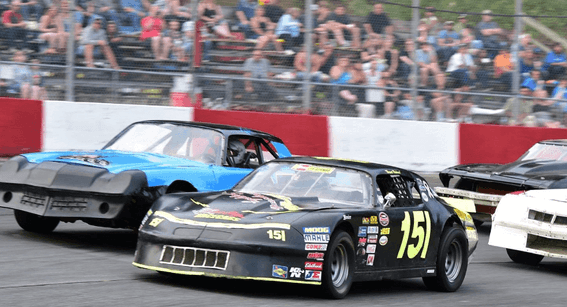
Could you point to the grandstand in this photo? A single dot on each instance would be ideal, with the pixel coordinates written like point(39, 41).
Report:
point(445, 90)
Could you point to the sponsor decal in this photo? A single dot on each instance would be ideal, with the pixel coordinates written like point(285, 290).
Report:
point(372, 229)
point(371, 248)
point(346, 217)
point(93, 159)
point(316, 230)
point(365, 220)
point(279, 271)
point(312, 275)
point(315, 247)
point(362, 231)
point(374, 220)
point(383, 240)
point(312, 168)
point(196, 203)
point(316, 256)
point(156, 221)
point(384, 219)
point(373, 239)
point(361, 241)
point(256, 198)
point(316, 238)
point(309, 265)
point(424, 196)
point(430, 271)
point(385, 231)
point(393, 172)
point(210, 213)
point(370, 260)
point(295, 272)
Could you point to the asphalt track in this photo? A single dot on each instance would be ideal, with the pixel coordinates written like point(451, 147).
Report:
point(82, 265)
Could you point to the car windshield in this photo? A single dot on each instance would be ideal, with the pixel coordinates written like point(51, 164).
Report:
point(545, 152)
point(193, 143)
point(328, 184)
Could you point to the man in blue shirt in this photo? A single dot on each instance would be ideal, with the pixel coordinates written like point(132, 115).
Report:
point(447, 42)
point(555, 62)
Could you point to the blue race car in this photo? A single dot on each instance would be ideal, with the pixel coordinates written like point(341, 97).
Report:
point(115, 186)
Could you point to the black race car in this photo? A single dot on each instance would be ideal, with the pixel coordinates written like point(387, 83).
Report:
point(316, 221)
point(543, 166)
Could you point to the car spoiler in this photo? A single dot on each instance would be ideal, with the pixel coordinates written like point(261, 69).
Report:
point(467, 200)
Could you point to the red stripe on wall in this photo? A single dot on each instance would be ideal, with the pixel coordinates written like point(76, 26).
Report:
point(20, 126)
point(302, 134)
point(500, 144)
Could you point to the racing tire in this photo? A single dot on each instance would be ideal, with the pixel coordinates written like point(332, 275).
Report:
point(452, 261)
point(523, 257)
point(35, 223)
point(338, 266)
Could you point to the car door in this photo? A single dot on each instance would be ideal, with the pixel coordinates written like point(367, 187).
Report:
point(404, 233)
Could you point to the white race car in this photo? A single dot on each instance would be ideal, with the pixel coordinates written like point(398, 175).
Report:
point(531, 225)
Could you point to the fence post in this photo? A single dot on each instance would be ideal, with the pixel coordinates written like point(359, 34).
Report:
point(414, 68)
point(516, 56)
point(70, 71)
point(309, 47)
point(228, 93)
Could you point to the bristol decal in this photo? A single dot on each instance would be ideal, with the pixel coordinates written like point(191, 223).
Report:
point(384, 219)
point(316, 238)
point(309, 265)
point(362, 231)
point(315, 247)
point(312, 275)
point(316, 256)
point(279, 271)
point(316, 230)
point(370, 260)
point(295, 272)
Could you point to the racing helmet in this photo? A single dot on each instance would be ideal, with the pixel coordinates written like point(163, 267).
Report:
point(236, 152)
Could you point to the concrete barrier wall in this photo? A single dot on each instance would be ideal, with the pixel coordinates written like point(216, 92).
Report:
point(88, 126)
point(27, 126)
point(419, 146)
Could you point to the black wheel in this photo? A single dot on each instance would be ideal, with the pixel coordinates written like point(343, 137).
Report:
point(338, 265)
point(523, 257)
point(35, 223)
point(452, 261)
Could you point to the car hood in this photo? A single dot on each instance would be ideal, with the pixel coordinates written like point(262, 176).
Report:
point(112, 160)
point(237, 207)
point(531, 168)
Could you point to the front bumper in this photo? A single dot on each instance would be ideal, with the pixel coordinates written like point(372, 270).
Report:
point(220, 261)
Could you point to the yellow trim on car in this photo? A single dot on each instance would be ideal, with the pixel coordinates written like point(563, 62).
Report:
point(170, 217)
point(193, 273)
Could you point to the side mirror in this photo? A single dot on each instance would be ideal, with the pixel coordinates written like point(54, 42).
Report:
point(390, 199)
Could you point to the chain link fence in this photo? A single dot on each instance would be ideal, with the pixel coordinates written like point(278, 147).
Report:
point(385, 59)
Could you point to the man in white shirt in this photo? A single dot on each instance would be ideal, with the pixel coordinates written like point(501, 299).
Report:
point(461, 67)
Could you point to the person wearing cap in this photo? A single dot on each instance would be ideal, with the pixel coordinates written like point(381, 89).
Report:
point(489, 32)
point(94, 42)
point(555, 62)
point(461, 24)
point(447, 42)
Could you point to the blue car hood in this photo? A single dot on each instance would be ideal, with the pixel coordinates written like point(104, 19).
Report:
point(112, 160)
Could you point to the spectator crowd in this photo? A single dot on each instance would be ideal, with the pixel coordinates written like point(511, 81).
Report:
point(451, 55)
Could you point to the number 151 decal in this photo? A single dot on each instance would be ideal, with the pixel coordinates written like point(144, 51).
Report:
point(418, 232)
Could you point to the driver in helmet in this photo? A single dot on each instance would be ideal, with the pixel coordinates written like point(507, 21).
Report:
point(236, 155)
